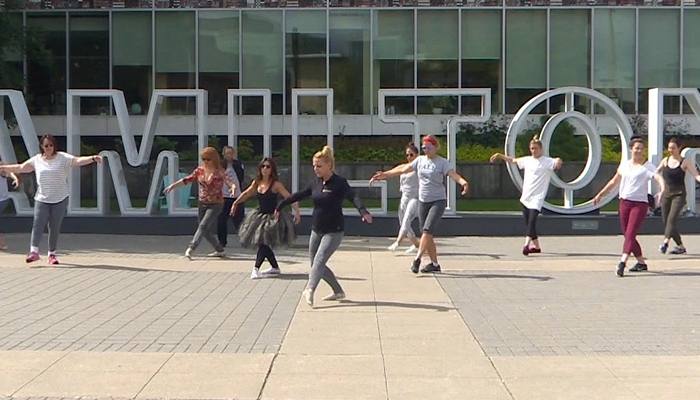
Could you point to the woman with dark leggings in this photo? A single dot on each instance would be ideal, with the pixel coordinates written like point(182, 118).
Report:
point(632, 176)
point(673, 169)
point(538, 173)
point(432, 196)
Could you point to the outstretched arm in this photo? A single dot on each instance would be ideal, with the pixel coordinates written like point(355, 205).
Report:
point(243, 197)
point(500, 156)
point(12, 169)
point(283, 191)
point(295, 197)
point(608, 186)
point(460, 181)
point(689, 166)
point(396, 171)
point(558, 163)
point(352, 195)
point(85, 160)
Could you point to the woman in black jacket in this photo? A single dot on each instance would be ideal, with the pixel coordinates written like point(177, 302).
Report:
point(235, 172)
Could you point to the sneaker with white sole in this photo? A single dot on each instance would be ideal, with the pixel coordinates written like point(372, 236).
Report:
point(308, 296)
point(188, 253)
point(255, 274)
point(412, 250)
point(393, 246)
point(272, 271)
point(335, 296)
point(220, 254)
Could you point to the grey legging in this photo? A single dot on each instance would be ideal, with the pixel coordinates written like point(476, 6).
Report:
point(208, 217)
point(408, 211)
point(51, 213)
point(671, 209)
point(321, 248)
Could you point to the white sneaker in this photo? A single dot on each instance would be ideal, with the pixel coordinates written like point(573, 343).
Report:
point(334, 296)
point(188, 253)
point(308, 295)
point(412, 250)
point(272, 271)
point(393, 246)
point(255, 274)
point(220, 254)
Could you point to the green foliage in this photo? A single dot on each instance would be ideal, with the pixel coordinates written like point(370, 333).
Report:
point(245, 151)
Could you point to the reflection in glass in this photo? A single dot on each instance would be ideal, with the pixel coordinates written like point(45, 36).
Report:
point(614, 55)
point(394, 56)
point(305, 58)
point(350, 56)
point(218, 57)
point(481, 57)
point(526, 58)
point(691, 51)
point(262, 58)
point(569, 54)
point(132, 58)
point(437, 58)
point(175, 57)
point(89, 58)
point(46, 84)
point(659, 56)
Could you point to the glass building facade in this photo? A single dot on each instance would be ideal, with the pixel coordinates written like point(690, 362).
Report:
point(356, 47)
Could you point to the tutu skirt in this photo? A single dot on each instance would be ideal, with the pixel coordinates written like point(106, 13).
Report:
point(258, 228)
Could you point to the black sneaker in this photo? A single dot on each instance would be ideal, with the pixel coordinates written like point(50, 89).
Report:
point(415, 266)
point(663, 248)
point(678, 250)
point(620, 269)
point(638, 267)
point(430, 268)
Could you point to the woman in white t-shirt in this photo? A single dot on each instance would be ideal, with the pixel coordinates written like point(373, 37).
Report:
point(538, 171)
point(5, 196)
point(408, 206)
point(51, 199)
point(633, 177)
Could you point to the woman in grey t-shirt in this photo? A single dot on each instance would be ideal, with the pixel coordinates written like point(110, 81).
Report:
point(432, 196)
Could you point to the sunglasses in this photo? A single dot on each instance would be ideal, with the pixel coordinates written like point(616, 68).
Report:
point(428, 147)
point(410, 155)
point(266, 166)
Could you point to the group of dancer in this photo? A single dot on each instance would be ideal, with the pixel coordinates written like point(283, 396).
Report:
point(423, 196)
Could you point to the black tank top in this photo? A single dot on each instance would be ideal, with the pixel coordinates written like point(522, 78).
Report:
point(674, 177)
point(267, 202)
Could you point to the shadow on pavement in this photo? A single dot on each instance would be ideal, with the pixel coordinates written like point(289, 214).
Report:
point(490, 276)
point(351, 303)
point(102, 267)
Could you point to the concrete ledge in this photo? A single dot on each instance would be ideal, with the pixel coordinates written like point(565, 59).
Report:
point(462, 224)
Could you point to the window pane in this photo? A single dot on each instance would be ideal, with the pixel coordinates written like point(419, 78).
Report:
point(132, 57)
point(175, 58)
point(614, 53)
point(218, 56)
point(349, 44)
point(526, 55)
point(659, 55)
point(438, 52)
point(691, 48)
point(262, 57)
point(47, 83)
point(393, 56)
point(569, 54)
point(13, 76)
point(481, 56)
point(306, 57)
point(89, 58)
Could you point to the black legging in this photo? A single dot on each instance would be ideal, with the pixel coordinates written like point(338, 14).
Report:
point(531, 222)
point(265, 251)
point(671, 209)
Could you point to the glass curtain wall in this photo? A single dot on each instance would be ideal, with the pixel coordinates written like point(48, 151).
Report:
point(526, 58)
point(437, 59)
point(305, 58)
point(14, 61)
point(262, 59)
point(614, 55)
point(218, 56)
point(88, 52)
point(46, 82)
point(394, 63)
point(569, 55)
point(691, 51)
point(481, 57)
point(659, 56)
point(350, 61)
point(132, 58)
point(175, 58)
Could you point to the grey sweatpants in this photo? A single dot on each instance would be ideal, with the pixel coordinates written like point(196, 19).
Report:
point(321, 248)
point(208, 217)
point(51, 213)
point(408, 211)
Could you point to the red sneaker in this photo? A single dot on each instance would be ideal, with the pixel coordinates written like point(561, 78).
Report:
point(53, 260)
point(33, 256)
point(534, 250)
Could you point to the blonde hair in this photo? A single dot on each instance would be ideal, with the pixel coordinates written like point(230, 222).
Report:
point(326, 154)
point(536, 141)
point(212, 154)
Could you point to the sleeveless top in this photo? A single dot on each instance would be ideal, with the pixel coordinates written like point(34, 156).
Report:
point(674, 178)
point(267, 202)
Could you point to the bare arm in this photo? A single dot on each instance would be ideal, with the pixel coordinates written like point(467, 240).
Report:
point(11, 169)
point(279, 188)
point(460, 180)
point(85, 160)
point(246, 194)
point(608, 186)
point(500, 156)
point(558, 163)
point(689, 167)
point(396, 171)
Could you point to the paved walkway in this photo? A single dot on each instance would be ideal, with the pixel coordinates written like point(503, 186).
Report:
point(129, 317)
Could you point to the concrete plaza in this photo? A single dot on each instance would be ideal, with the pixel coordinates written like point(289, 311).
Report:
point(130, 317)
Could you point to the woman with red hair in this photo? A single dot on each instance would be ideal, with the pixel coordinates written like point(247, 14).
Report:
point(432, 196)
point(211, 177)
